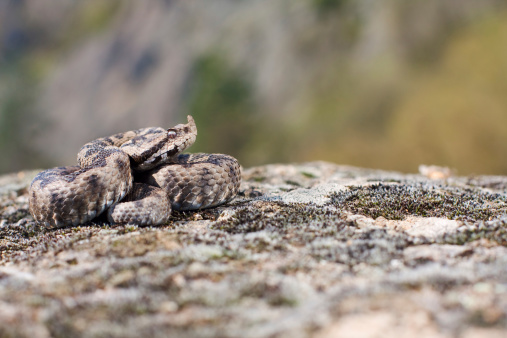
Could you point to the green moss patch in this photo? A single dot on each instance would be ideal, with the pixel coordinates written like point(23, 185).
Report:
point(396, 202)
point(494, 231)
point(272, 215)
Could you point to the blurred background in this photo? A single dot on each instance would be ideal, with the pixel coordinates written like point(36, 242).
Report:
point(387, 84)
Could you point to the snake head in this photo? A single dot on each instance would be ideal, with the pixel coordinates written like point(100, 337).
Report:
point(154, 146)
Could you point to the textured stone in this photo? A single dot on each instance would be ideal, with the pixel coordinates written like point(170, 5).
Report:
point(310, 249)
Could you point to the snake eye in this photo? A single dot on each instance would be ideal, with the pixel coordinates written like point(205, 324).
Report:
point(171, 133)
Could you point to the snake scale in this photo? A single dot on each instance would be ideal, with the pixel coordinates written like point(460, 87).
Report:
point(138, 177)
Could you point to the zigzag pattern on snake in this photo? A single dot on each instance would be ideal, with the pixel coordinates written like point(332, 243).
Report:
point(138, 177)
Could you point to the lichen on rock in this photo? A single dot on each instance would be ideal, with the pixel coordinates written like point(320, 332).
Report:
point(307, 249)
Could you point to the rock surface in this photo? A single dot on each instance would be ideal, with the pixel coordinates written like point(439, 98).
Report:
point(314, 249)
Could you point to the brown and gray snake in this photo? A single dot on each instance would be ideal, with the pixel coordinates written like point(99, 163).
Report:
point(137, 177)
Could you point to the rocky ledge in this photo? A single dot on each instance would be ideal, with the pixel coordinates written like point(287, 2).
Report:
point(314, 249)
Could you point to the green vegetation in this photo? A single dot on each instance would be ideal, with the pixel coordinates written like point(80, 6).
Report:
point(25, 61)
point(399, 113)
point(15, 98)
point(222, 101)
point(322, 6)
point(273, 216)
point(456, 114)
point(396, 202)
point(93, 17)
point(388, 89)
point(494, 231)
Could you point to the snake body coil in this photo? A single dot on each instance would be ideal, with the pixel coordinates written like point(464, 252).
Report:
point(138, 177)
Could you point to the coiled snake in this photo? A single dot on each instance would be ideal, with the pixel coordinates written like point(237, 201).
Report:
point(137, 176)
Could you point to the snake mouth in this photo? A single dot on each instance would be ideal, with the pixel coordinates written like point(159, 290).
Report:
point(168, 145)
point(155, 160)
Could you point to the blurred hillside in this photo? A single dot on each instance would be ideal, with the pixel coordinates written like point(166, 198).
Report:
point(387, 83)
